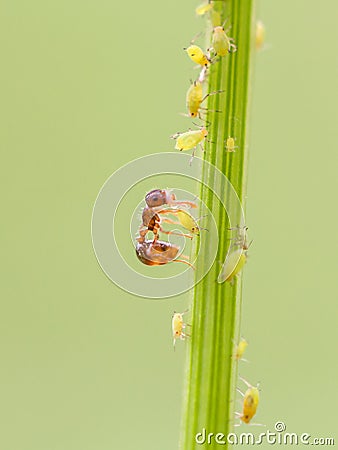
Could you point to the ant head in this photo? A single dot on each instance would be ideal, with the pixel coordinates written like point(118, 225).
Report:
point(156, 197)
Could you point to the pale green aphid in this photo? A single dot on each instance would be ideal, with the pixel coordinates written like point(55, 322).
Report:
point(233, 265)
point(222, 44)
point(235, 259)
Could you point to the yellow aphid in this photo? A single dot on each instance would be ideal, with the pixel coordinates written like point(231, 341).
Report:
point(204, 8)
point(221, 43)
point(188, 221)
point(250, 403)
point(189, 140)
point(230, 144)
point(197, 55)
point(260, 35)
point(194, 98)
point(178, 326)
point(240, 349)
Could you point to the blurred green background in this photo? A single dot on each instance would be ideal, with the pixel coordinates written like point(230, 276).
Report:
point(87, 86)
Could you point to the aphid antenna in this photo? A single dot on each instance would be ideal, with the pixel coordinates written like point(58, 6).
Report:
point(196, 37)
point(182, 313)
point(176, 135)
point(202, 217)
point(240, 392)
point(238, 227)
point(184, 115)
point(246, 382)
point(249, 245)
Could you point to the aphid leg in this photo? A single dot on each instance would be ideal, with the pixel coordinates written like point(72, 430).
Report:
point(192, 157)
point(212, 93)
point(211, 110)
point(240, 392)
point(232, 47)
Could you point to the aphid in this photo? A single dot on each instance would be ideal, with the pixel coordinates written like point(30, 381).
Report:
point(260, 34)
point(234, 264)
point(195, 97)
point(197, 55)
point(159, 253)
point(189, 140)
point(221, 43)
point(236, 260)
point(250, 402)
point(230, 144)
point(159, 197)
point(186, 220)
point(178, 326)
point(215, 17)
point(204, 8)
point(240, 349)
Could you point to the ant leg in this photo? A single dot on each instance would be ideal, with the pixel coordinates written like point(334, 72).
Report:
point(185, 262)
point(176, 234)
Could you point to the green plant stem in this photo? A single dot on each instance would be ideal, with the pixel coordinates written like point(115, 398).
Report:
point(211, 375)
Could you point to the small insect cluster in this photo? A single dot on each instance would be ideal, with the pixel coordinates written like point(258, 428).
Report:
point(160, 204)
point(221, 45)
point(251, 395)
